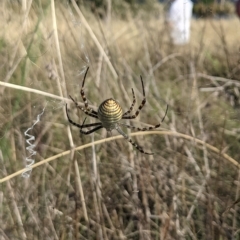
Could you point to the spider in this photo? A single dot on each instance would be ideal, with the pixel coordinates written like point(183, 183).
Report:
point(109, 114)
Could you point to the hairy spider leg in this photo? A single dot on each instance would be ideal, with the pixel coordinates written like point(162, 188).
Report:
point(141, 105)
point(133, 103)
point(79, 125)
point(92, 130)
point(132, 142)
point(91, 113)
point(146, 128)
point(140, 129)
point(90, 110)
point(99, 125)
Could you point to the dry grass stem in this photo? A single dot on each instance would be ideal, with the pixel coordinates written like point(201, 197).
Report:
point(174, 134)
point(102, 187)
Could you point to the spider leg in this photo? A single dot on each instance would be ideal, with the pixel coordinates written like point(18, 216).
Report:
point(99, 125)
point(139, 148)
point(146, 128)
point(90, 125)
point(165, 114)
point(91, 113)
point(92, 130)
point(84, 96)
point(133, 103)
point(140, 129)
point(78, 125)
point(141, 105)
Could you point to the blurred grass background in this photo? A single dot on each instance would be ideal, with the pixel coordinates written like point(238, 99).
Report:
point(185, 190)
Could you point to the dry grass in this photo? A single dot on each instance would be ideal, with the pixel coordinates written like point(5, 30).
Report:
point(103, 188)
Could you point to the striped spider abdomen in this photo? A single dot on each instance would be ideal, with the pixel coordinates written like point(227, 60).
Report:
point(110, 113)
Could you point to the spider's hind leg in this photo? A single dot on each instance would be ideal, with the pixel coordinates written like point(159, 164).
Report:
point(99, 126)
point(140, 129)
point(139, 148)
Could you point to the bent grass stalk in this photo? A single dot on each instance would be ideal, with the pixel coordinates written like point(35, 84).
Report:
point(175, 134)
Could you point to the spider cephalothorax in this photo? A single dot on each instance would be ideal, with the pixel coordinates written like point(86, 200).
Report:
point(110, 114)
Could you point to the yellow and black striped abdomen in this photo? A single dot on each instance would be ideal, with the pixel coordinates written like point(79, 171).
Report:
point(110, 113)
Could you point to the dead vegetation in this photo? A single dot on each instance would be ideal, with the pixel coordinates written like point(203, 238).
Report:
point(105, 189)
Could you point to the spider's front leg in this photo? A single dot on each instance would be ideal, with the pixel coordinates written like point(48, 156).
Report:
point(90, 110)
point(92, 113)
